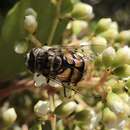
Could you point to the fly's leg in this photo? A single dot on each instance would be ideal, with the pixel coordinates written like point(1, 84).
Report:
point(68, 90)
point(65, 87)
point(65, 95)
point(47, 80)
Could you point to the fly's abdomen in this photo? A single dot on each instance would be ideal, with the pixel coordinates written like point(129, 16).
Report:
point(73, 68)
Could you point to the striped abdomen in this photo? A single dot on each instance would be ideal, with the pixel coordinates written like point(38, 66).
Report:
point(73, 68)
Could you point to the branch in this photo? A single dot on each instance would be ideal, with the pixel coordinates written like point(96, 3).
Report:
point(17, 86)
point(55, 24)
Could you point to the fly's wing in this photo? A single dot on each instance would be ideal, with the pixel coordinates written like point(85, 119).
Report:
point(39, 80)
point(58, 83)
point(84, 49)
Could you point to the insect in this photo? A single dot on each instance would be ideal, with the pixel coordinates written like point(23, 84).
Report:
point(66, 65)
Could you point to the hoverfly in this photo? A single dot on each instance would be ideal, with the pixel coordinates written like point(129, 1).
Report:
point(66, 64)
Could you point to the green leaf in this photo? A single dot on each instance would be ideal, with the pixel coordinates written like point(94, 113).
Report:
point(13, 31)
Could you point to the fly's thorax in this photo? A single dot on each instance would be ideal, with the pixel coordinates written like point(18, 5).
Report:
point(50, 62)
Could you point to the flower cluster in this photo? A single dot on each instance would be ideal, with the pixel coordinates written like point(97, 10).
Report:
point(101, 100)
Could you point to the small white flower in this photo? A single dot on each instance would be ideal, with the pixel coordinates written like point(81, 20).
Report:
point(21, 47)
point(31, 11)
point(9, 116)
point(41, 108)
point(30, 23)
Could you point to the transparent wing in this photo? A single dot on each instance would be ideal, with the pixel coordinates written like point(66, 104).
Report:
point(85, 49)
point(58, 82)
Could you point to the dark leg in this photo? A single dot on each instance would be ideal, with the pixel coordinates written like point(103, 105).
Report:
point(64, 91)
point(47, 80)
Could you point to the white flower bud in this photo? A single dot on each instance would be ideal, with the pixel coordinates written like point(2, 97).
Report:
point(9, 116)
point(108, 56)
point(31, 11)
point(103, 24)
point(65, 109)
point(99, 44)
point(41, 108)
point(110, 34)
point(30, 23)
point(123, 56)
point(78, 26)
point(21, 47)
point(82, 11)
point(117, 105)
point(124, 36)
point(114, 25)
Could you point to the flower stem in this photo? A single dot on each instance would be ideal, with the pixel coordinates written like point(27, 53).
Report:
point(53, 122)
point(101, 82)
point(55, 24)
point(52, 104)
point(52, 108)
point(35, 41)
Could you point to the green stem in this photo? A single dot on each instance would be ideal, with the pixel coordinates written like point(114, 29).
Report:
point(35, 41)
point(53, 122)
point(55, 24)
point(52, 102)
point(52, 108)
